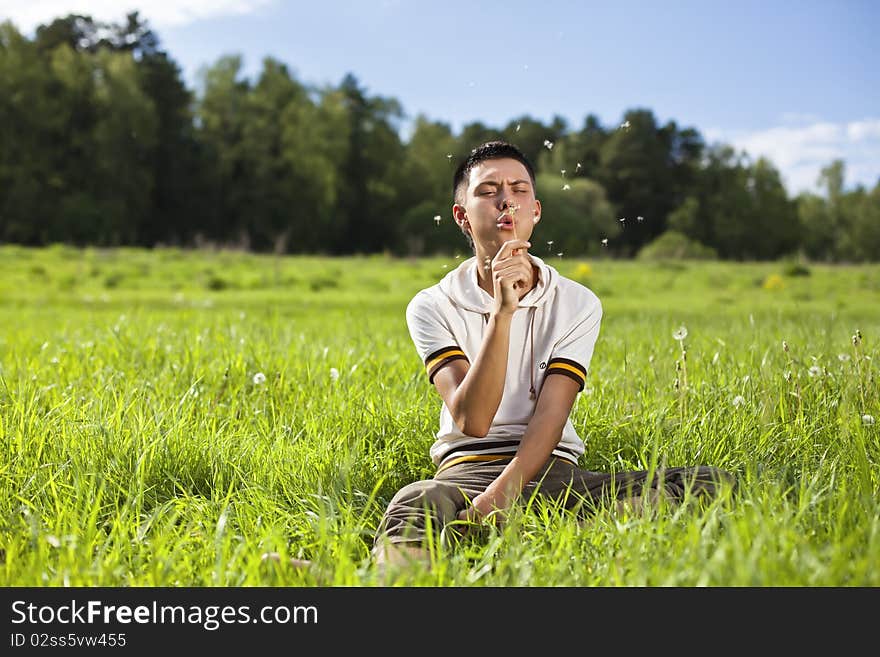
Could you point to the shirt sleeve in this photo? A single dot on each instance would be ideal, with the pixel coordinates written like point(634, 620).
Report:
point(572, 353)
point(431, 335)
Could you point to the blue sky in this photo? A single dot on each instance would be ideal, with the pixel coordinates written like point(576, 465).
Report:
point(795, 81)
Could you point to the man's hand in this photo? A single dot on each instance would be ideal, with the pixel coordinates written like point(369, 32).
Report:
point(511, 275)
point(484, 508)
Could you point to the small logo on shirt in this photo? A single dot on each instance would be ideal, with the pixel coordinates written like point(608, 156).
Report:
point(543, 365)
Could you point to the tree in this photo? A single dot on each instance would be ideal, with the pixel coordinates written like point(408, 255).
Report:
point(373, 161)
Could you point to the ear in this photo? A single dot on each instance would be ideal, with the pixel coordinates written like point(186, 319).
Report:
point(537, 216)
point(460, 216)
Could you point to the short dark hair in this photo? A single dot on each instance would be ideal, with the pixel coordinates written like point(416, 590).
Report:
point(491, 150)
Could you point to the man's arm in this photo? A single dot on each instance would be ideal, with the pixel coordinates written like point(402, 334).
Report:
point(472, 393)
point(542, 435)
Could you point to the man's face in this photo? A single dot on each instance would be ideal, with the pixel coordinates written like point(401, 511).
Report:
point(495, 185)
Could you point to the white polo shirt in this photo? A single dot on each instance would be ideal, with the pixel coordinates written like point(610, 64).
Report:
point(553, 331)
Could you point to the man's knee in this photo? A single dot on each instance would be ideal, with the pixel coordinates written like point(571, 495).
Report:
point(419, 508)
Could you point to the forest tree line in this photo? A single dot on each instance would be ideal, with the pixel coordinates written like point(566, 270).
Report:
point(102, 143)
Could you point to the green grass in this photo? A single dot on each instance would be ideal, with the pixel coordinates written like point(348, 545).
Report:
point(139, 451)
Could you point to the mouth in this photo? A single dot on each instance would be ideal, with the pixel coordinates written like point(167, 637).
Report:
point(505, 220)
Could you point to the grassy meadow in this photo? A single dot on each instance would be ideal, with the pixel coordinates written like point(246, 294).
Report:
point(166, 417)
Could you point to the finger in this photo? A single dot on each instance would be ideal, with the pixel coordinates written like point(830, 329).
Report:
point(515, 270)
point(508, 247)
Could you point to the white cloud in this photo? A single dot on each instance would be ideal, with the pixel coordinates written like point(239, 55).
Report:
point(26, 16)
point(801, 151)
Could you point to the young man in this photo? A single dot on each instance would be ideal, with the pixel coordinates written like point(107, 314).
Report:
point(507, 342)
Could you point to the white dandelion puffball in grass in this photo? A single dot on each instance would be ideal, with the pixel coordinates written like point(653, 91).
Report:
point(681, 333)
point(739, 400)
point(334, 374)
point(259, 379)
point(815, 370)
point(868, 420)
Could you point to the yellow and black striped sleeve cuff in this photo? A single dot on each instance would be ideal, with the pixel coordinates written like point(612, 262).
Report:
point(440, 357)
point(569, 368)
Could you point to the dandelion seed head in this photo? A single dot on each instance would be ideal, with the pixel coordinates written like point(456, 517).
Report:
point(334, 374)
point(739, 400)
point(814, 370)
point(784, 346)
point(259, 379)
point(843, 357)
point(868, 420)
point(680, 333)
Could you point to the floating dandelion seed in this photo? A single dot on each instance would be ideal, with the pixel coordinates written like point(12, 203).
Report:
point(549, 244)
point(739, 400)
point(563, 173)
point(437, 219)
point(622, 219)
point(548, 144)
point(457, 256)
point(259, 379)
point(625, 125)
point(487, 263)
point(517, 127)
point(640, 218)
point(868, 420)
point(559, 254)
point(566, 187)
point(578, 167)
point(604, 241)
point(681, 333)
point(449, 156)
